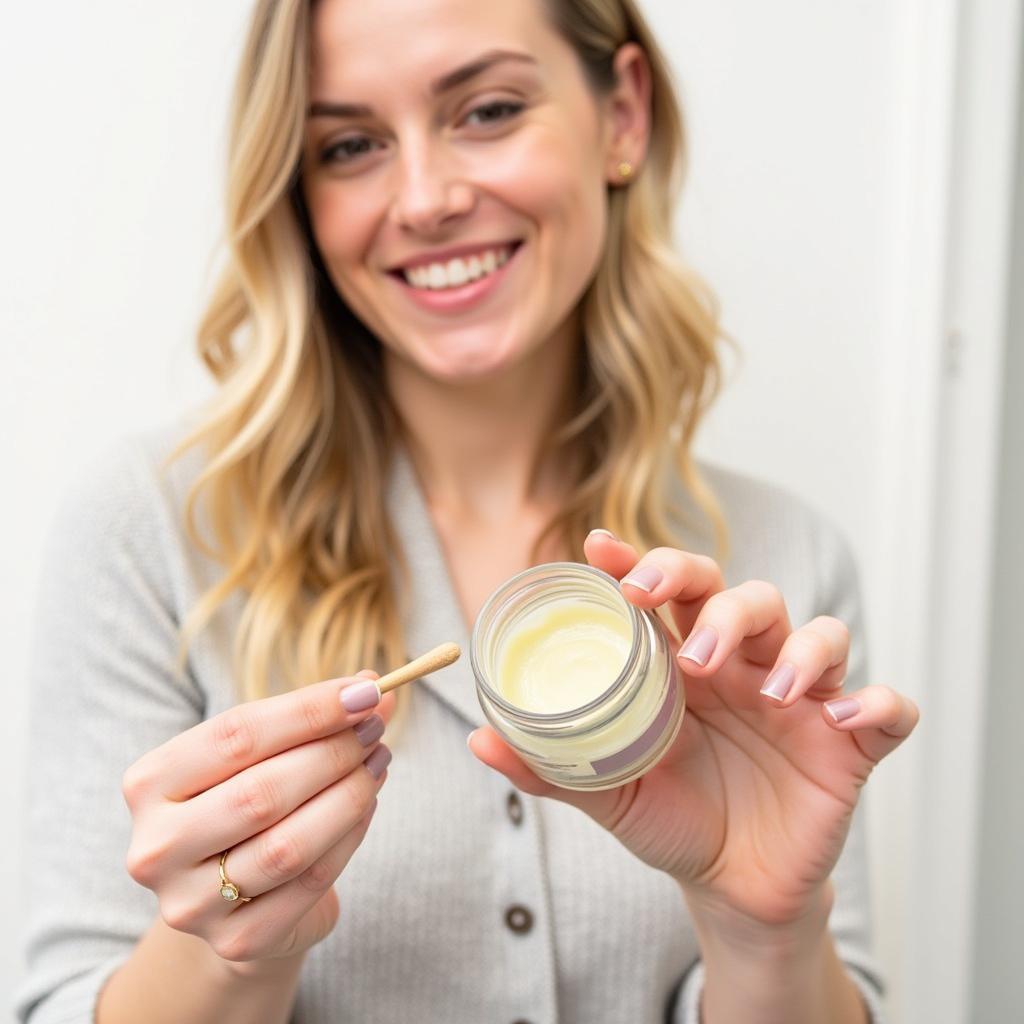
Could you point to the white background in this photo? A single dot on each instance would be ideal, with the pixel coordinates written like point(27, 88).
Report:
point(849, 199)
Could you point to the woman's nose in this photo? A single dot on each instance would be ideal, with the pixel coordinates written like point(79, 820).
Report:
point(428, 191)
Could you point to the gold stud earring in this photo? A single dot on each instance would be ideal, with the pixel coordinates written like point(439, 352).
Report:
point(625, 169)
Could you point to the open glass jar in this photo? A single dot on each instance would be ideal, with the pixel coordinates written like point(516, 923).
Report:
point(581, 683)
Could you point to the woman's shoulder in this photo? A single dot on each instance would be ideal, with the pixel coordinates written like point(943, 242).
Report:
point(759, 506)
point(117, 504)
point(122, 478)
point(776, 534)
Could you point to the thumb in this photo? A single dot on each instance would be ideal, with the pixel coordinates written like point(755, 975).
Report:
point(487, 746)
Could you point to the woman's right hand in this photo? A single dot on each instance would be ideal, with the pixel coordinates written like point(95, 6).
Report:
point(288, 785)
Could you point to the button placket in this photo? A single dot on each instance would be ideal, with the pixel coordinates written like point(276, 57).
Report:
point(520, 913)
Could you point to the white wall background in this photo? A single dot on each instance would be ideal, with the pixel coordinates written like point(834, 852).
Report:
point(848, 199)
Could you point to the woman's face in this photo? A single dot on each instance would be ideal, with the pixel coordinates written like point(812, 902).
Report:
point(475, 136)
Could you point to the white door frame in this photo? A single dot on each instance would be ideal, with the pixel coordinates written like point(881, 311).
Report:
point(941, 415)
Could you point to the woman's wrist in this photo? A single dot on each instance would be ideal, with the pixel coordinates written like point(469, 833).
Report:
point(786, 972)
point(173, 976)
point(280, 969)
point(788, 933)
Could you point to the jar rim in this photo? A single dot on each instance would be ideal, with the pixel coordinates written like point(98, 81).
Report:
point(501, 592)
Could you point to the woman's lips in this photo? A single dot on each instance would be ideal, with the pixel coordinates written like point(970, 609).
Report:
point(461, 297)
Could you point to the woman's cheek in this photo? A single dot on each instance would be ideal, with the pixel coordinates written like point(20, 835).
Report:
point(562, 191)
point(538, 173)
point(337, 218)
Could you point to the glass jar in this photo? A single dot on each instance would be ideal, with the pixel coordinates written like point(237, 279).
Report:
point(621, 732)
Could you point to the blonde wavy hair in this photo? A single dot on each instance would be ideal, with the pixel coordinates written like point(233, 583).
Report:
point(298, 437)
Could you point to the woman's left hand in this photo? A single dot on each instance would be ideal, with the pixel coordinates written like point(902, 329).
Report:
point(749, 807)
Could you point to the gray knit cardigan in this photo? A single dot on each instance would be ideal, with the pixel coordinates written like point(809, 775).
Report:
point(463, 904)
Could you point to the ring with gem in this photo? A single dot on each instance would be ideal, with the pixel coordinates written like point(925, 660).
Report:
point(228, 889)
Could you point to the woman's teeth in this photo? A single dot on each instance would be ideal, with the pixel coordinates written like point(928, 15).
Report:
point(457, 271)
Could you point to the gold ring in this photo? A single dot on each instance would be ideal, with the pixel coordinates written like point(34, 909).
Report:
point(228, 889)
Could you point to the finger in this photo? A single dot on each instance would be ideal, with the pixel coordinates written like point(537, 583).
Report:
point(664, 575)
point(278, 920)
point(240, 737)
point(487, 746)
point(604, 550)
point(879, 718)
point(261, 796)
point(812, 661)
point(386, 707)
point(751, 619)
point(282, 852)
point(681, 580)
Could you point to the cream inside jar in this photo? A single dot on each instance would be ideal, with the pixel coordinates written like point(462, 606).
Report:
point(563, 656)
point(578, 680)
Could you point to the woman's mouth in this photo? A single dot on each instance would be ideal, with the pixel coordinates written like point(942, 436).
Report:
point(459, 271)
point(456, 284)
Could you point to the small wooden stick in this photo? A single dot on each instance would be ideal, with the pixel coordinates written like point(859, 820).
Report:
point(439, 657)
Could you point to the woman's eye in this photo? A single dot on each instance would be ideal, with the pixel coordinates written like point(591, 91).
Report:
point(503, 109)
point(349, 149)
point(346, 149)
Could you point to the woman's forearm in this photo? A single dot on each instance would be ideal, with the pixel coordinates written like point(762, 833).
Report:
point(773, 976)
point(172, 976)
point(808, 990)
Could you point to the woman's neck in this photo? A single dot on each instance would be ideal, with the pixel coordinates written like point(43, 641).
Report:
point(478, 446)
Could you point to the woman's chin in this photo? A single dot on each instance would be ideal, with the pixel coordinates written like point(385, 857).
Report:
point(467, 365)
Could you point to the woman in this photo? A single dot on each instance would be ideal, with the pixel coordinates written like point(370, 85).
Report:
point(389, 443)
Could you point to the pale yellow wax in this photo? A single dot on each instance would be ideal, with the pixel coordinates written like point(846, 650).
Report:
point(562, 656)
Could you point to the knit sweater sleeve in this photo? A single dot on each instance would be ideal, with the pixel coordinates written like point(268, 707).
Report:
point(103, 691)
point(837, 594)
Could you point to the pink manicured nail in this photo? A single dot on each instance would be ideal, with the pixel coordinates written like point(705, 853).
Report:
point(360, 696)
point(780, 682)
point(647, 577)
point(378, 761)
point(842, 709)
point(700, 646)
point(369, 730)
point(601, 529)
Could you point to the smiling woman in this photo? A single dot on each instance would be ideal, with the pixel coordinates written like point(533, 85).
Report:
point(582, 327)
point(452, 340)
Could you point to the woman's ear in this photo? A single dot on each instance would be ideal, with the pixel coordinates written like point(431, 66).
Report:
point(628, 113)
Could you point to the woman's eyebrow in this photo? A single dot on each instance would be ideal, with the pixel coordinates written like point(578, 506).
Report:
point(447, 81)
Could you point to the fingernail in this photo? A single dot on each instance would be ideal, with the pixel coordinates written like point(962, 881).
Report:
point(780, 682)
point(647, 577)
point(599, 529)
point(700, 646)
point(378, 761)
point(369, 730)
point(360, 696)
point(842, 709)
